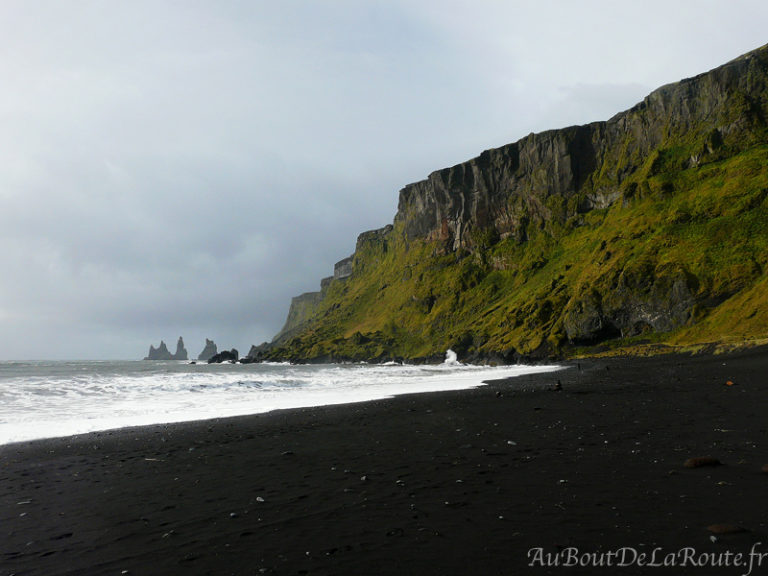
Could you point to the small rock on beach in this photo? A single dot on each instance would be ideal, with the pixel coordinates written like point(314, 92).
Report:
point(701, 461)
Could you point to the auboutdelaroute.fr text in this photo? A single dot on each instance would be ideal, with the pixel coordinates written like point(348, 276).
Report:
point(653, 558)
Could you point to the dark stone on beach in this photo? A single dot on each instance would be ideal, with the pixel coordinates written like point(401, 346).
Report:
point(702, 461)
point(225, 356)
point(725, 529)
point(765, 468)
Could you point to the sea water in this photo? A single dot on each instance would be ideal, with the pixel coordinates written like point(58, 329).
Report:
point(52, 399)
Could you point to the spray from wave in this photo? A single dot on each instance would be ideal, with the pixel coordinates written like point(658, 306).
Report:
point(451, 358)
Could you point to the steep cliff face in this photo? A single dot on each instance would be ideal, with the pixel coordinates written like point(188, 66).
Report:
point(301, 311)
point(644, 225)
point(558, 174)
point(304, 308)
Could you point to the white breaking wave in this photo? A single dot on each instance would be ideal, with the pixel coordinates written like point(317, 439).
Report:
point(54, 399)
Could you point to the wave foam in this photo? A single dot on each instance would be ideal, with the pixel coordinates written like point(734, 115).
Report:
point(63, 399)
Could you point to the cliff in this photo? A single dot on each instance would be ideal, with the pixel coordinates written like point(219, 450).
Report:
point(301, 311)
point(648, 228)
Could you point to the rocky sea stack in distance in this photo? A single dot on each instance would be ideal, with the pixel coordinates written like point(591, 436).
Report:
point(162, 352)
point(209, 351)
point(647, 231)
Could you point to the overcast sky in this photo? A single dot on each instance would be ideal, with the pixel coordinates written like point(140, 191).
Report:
point(184, 168)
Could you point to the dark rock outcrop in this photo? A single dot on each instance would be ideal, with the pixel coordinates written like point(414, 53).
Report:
point(644, 299)
point(343, 268)
point(209, 351)
point(225, 356)
point(257, 353)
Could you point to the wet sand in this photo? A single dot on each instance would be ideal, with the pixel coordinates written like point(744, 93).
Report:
point(443, 483)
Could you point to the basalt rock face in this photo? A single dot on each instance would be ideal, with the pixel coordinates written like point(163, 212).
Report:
point(652, 222)
point(343, 269)
point(559, 174)
point(503, 190)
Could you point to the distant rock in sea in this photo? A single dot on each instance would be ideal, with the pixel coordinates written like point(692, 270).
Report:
point(162, 352)
point(209, 351)
point(181, 352)
point(159, 353)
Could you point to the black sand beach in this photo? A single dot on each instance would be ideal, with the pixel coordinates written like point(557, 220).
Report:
point(439, 484)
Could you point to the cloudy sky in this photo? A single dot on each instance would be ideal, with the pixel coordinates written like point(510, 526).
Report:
point(185, 167)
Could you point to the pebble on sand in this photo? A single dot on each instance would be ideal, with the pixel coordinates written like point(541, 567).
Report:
point(765, 468)
point(701, 461)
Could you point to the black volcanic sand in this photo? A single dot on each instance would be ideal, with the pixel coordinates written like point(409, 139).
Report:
point(444, 483)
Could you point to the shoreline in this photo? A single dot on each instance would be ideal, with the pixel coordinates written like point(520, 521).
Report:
point(175, 406)
point(438, 483)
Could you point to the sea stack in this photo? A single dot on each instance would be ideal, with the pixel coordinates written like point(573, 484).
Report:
point(159, 353)
point(162, 352)
point(181, 352)
point(209, 351)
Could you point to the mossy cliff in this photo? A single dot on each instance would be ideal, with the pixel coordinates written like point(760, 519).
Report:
point(648, 229)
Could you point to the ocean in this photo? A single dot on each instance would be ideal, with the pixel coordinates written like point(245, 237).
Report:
point(47, 399)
